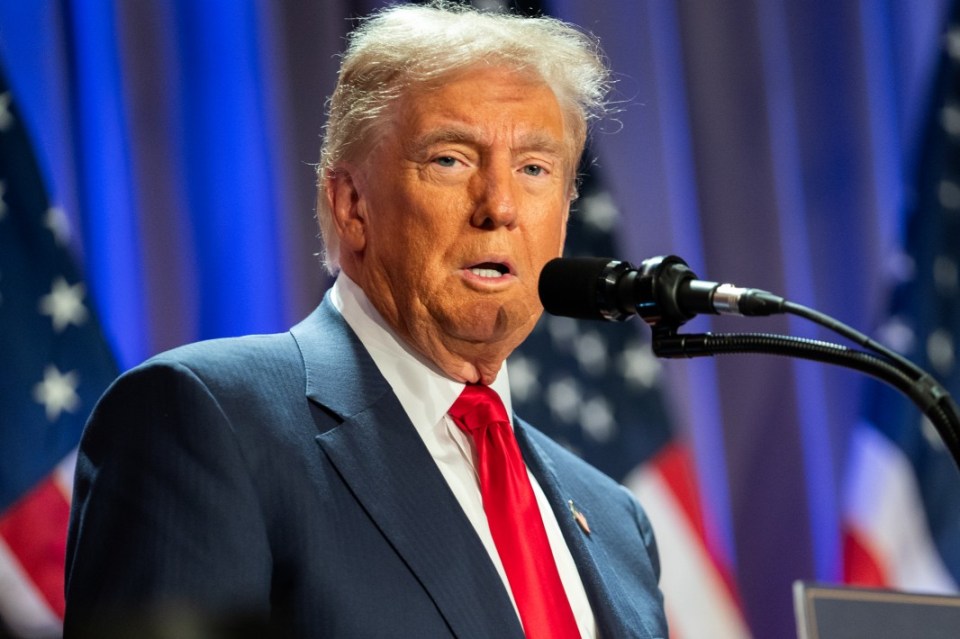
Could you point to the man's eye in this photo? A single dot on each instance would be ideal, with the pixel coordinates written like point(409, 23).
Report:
point(446, 161)
point(533, 169)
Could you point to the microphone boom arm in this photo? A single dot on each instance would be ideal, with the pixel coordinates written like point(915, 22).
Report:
point(922, 389)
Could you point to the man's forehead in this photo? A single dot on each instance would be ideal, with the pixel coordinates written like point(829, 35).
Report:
point(451, 109)
point(474, 112)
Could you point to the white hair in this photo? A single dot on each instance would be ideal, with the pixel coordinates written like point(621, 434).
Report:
point(410, 45)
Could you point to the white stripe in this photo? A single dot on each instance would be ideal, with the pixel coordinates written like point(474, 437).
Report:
point(698, 603)
point(884, 507)
point(22, 606)
point(63, 475)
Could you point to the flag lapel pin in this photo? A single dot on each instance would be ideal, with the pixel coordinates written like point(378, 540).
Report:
point(579, 518)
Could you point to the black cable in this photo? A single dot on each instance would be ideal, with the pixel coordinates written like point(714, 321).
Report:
point(852, 334)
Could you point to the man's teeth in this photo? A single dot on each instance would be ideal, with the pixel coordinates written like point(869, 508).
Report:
point(485, 272)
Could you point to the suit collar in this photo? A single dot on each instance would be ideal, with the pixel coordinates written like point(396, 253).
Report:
point(615, 616)
point(339, 373)
point(387, 467)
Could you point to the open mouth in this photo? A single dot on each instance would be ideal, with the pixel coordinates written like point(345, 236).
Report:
point(489, 269)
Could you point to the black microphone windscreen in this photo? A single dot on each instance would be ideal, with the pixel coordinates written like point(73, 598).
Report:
point(568, 286)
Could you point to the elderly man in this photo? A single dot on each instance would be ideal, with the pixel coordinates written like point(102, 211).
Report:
point(361, 476)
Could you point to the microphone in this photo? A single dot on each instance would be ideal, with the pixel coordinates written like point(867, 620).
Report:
point(663, 291)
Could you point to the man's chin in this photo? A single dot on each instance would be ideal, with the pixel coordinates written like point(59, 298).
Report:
point(500, 334)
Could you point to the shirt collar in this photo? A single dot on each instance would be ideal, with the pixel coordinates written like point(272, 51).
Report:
point(425, 392)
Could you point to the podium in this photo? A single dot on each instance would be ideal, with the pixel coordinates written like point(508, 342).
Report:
point(837, 612)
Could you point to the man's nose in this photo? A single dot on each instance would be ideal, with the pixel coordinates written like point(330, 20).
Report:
point(496, 201)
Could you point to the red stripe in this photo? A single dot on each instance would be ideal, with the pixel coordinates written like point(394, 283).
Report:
point(860, 566)
point(675, 464)
point(35, 529)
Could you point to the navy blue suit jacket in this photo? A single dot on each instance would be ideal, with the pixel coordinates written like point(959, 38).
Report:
point(277, 478)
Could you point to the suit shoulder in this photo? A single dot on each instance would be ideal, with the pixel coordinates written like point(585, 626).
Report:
point(220, 359)
point(245, 350)
point(234, 367)
point(241, 383)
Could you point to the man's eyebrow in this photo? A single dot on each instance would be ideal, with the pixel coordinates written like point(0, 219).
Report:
point(532, 141)
point(445, 134)
point(541, 141)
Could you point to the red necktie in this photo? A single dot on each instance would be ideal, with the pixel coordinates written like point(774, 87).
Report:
point(514, 518)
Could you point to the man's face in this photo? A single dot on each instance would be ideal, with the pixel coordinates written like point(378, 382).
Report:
point(457, 208)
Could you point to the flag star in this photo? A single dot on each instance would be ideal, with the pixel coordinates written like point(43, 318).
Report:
point(6, 118)
point(596, 417)
point(899, 267)
point(639, 366)
point(950, 119)
point(948, 194)
point(931, 435)
point(491, 5)
point(523, 377)
point(57, 392)
point(953, 43)
point(539, 327)
point(945, 275)
point(599, 211)
point(562, 331)
point(64, 304)
point(563, 398)
point(591, 352)
point(56, 220)
point(940, 351)
point(898, 334)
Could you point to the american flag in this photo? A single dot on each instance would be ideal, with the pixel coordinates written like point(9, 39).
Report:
point(903, 489)
point(595, 387)
point(54, 364)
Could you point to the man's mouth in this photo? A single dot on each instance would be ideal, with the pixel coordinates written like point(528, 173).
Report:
point(490, 270)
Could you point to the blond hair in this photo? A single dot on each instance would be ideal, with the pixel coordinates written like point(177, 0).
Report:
point(410, 45)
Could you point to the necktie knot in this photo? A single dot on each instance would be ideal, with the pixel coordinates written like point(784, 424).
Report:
point(478, 407)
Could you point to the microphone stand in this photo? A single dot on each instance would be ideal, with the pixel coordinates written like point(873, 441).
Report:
point(897, 371)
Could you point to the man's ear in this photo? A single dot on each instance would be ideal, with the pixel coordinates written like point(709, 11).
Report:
point(343, 196)
point(563, 228)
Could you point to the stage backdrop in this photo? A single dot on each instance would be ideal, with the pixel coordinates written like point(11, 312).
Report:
point(782, 144)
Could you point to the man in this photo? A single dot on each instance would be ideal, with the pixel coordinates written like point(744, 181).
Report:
point(334, 480)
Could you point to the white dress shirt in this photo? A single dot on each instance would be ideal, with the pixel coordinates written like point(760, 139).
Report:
point(426, 395)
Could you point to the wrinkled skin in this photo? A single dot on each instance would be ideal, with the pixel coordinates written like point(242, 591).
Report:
point(448, 220)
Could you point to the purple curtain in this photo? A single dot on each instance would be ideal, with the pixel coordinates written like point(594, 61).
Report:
point(770, 143)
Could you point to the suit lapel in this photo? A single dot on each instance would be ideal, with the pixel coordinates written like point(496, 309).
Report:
point(615, 616)
point(382, 458)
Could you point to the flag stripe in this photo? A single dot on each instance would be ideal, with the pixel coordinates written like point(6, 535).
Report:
point(22, 607)
point(35, 533)
point(861, 565)
point(63, 475)
point(690, 580)
point(675, 464)
point(886, 516)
